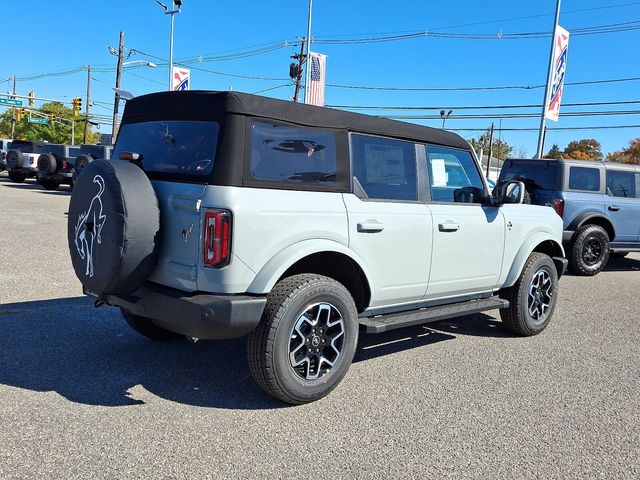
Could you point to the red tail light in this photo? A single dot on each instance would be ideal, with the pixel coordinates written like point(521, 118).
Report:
point(558, 205)
point(217, 236)
point(65, 165)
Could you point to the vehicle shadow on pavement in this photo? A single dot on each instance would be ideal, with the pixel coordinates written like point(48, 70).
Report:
point(91, 356)
point(37, 188)
point(625, 264)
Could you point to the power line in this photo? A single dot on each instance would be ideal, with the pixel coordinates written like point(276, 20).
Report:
point(592, 30)
point(477, 107)
point(487, 22)
point(480, 116)
point(462, 89)
point(600, 127)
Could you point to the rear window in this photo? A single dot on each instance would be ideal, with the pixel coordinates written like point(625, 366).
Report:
point(539, 173)
point(584, 178)
point(172, 146)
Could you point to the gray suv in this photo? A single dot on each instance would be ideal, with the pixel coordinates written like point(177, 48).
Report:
point(228, 214)
point(599, 203)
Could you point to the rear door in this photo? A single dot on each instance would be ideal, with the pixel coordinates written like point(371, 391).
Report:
point(389, 226)
point(468, 236)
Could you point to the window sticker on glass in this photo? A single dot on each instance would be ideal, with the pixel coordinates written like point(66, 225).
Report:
point(438, 172)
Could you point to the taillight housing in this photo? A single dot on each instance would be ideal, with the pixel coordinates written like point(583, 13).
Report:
point(558, 206)
point(217, 238)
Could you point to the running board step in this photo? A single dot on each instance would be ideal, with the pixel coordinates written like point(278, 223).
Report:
point(384, 323)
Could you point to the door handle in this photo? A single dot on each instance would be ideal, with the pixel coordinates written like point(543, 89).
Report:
point(371, 226)
point(614, 208)
point(448, 227)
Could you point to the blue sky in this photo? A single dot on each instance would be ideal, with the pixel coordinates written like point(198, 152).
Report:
point(52, 37)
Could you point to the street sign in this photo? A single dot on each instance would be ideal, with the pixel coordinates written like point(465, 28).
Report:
point(11, 101)
point(181, 79)
point(42, 121)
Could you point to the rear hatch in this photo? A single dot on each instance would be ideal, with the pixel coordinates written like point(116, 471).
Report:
point(178, 156)
point(541, 178)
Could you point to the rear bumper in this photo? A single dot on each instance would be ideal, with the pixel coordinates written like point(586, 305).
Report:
point(197, 315)
point(60, 176)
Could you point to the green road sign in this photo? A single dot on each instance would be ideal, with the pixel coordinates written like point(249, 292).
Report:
point(10, 101)
point(42, 121)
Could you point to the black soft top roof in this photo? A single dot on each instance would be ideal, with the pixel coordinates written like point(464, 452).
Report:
point(209, 105)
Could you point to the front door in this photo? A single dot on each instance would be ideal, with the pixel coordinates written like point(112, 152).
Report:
point(468, 236)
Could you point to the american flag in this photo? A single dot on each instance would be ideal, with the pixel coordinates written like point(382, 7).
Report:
point(317, 79)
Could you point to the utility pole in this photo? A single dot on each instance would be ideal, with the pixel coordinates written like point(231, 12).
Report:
point(490, 151)
point(13, 118)
point(116, 103)
point(85, 134)
point(307, 77)
point(549, 76)
point(298, 71)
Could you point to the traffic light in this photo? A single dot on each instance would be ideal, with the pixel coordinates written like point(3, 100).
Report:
point(52, 118)
point(32, 98)
point(18, 113)
point(77, 106)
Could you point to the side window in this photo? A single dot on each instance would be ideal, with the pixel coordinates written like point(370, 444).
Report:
point(385, 168)
point(292, 154)
point(621, 184)
point(584, 178)
point(454, 176)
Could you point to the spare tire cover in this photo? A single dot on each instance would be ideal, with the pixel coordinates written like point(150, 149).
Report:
point(47, 163)
point(113, 227)
point(14, 159)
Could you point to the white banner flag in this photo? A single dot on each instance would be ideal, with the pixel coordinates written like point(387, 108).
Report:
point(181, 79)
point(560, 48)
point(316, 79)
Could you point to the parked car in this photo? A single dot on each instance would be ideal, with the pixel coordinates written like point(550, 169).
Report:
point(61, 164)
point(229, 214)
point(22, 160)
point(55, 166)
point(5, 145)
point(85, 154)
point(599, 204)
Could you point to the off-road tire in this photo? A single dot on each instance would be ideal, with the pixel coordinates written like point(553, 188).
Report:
point(517, 317)
point(269, 344)
point(588, 236)
point(49, 183)
point(17, 177)
point(147, 328)
point(79, 164)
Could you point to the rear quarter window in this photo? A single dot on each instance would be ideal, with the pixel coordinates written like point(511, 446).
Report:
point(291, 154)
point(584, 178)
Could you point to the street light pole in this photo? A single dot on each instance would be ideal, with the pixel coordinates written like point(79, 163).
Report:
point(172, 12)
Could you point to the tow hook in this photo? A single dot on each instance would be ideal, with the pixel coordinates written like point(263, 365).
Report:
point(192, 339)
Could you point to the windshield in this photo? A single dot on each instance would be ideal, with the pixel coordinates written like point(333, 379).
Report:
point(171, 146)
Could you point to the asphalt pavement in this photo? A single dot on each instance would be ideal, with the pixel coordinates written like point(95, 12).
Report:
point(83, 396)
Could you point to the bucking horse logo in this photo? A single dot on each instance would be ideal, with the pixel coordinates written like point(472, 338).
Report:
point(89, 226)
